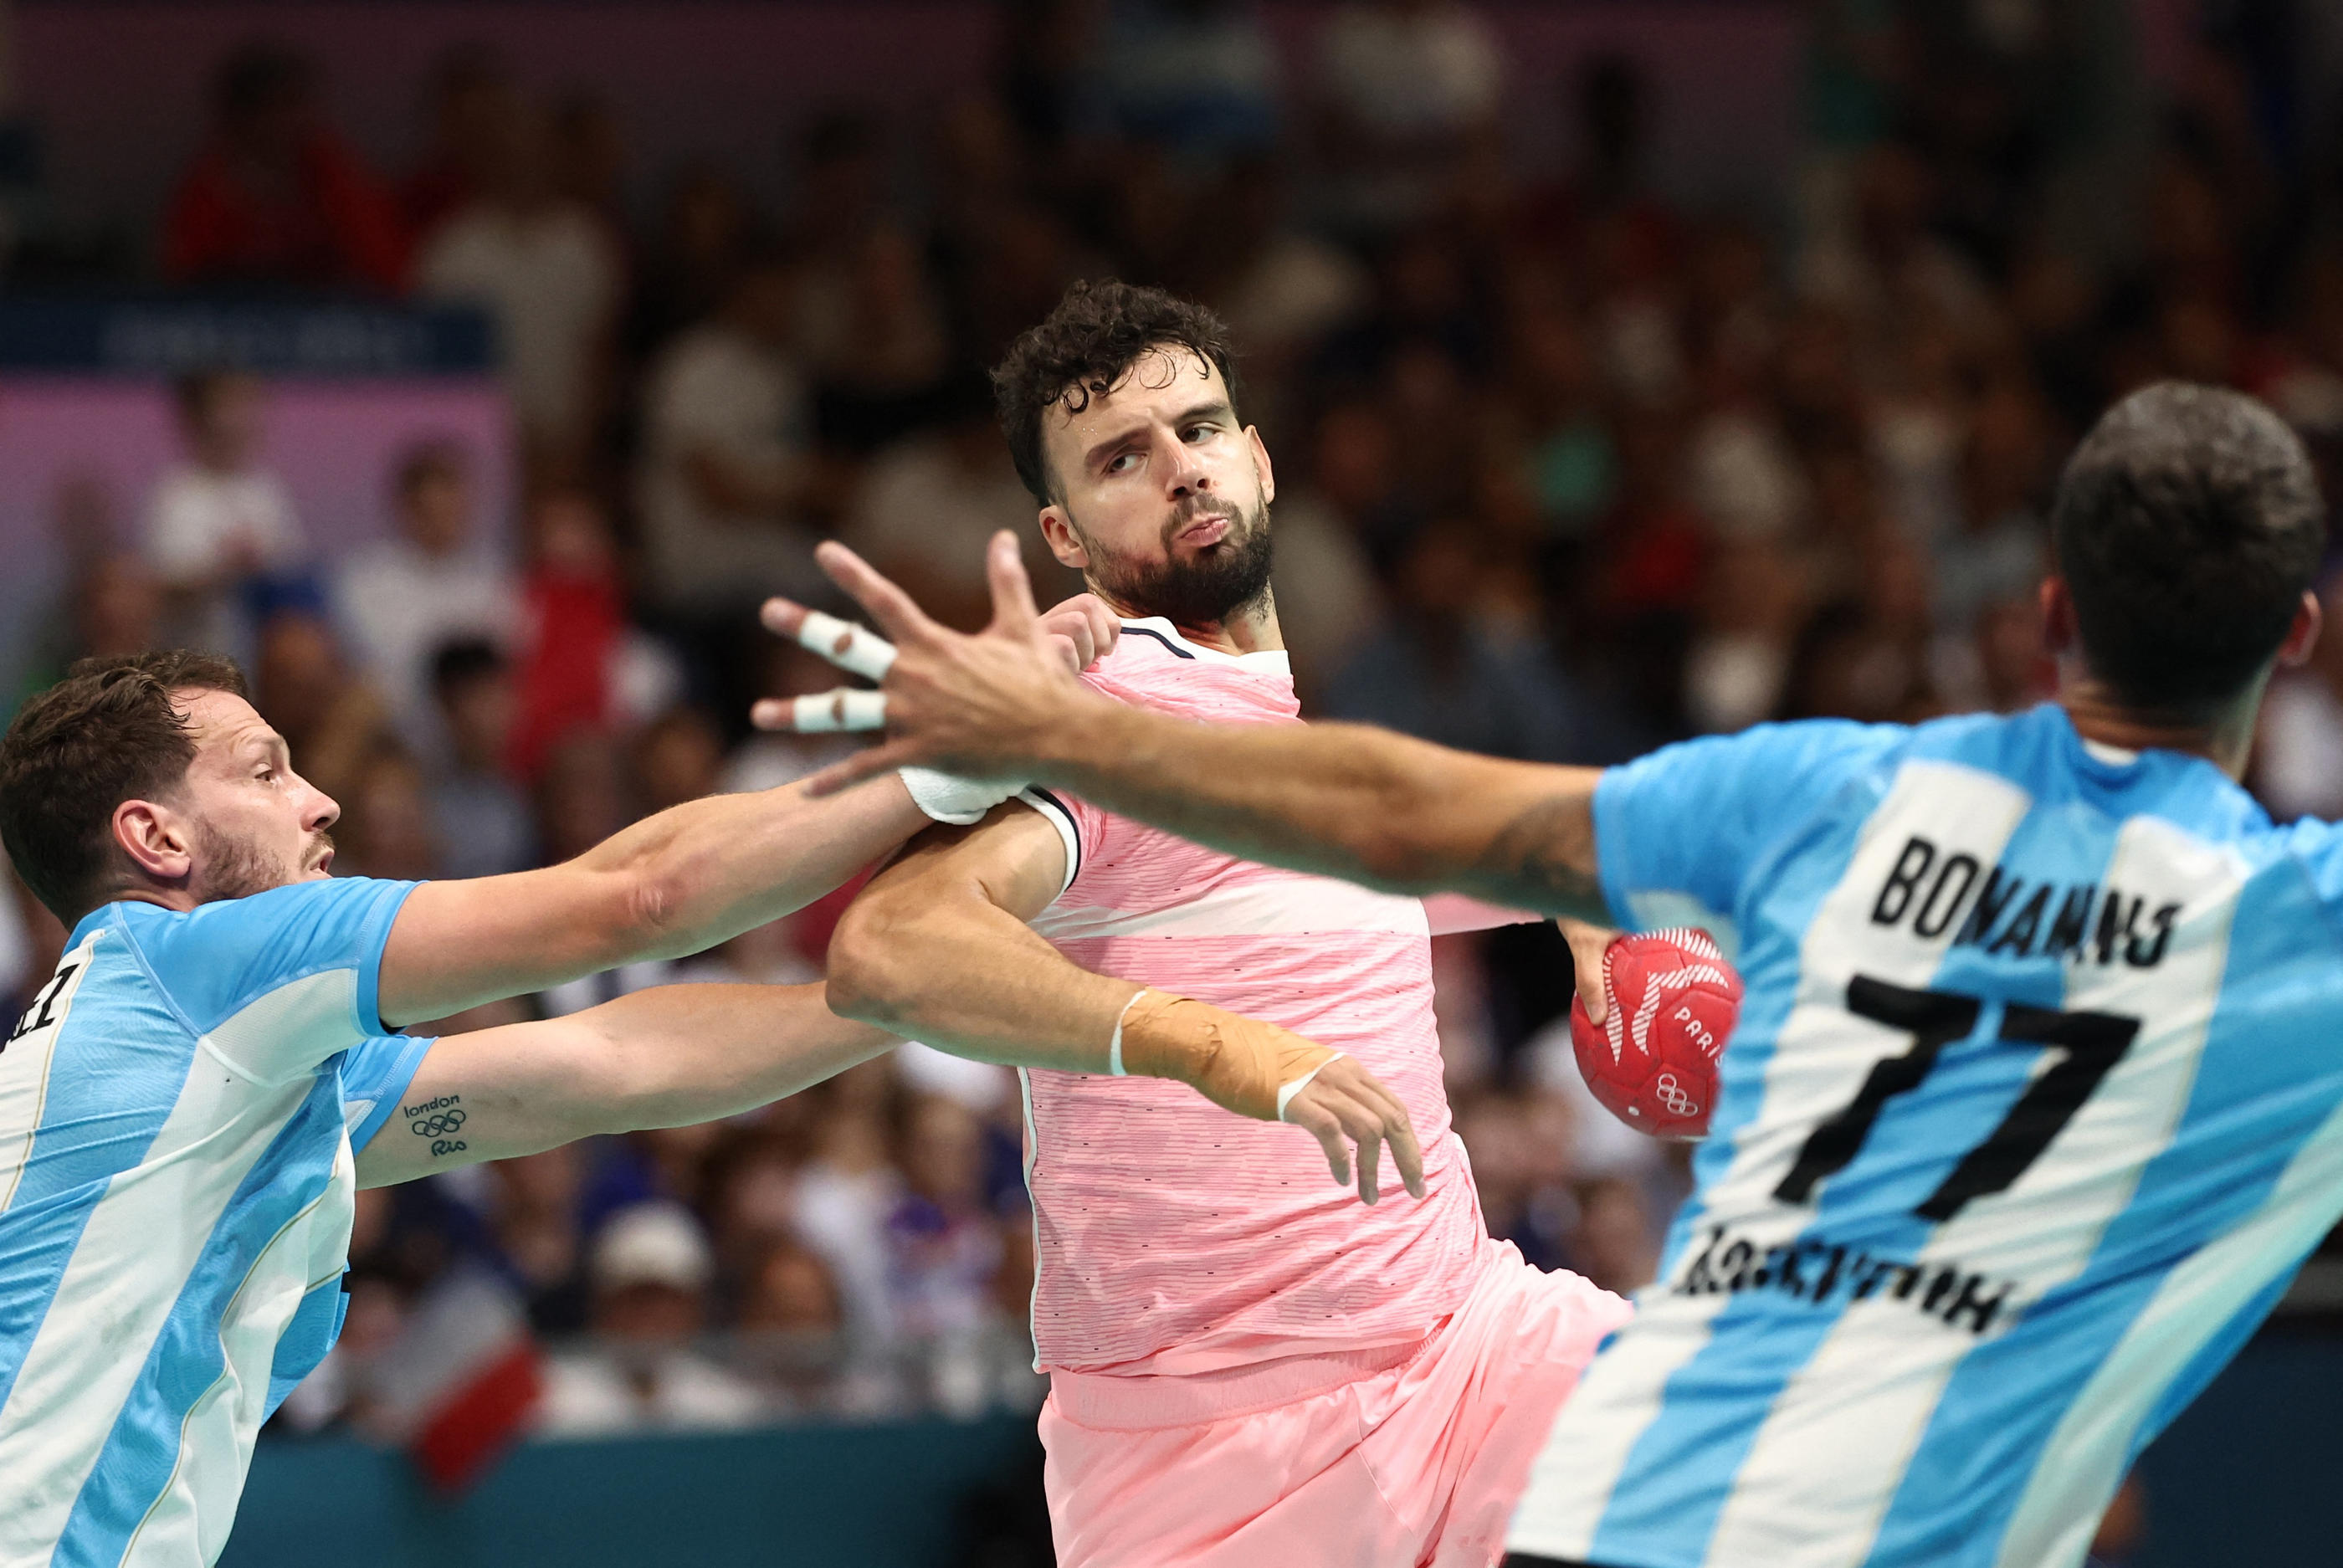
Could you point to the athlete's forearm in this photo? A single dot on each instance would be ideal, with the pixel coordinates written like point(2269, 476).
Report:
point(681, 1054)
point(965, 976)
point(667, 1057)
point(1342, 800)
point(672, 884)
point(708, 869)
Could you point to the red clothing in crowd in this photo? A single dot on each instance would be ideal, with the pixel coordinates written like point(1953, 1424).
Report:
point(335, 226)
point(575, 618)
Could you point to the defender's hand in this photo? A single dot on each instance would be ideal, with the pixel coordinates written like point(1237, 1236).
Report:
point(974, 706)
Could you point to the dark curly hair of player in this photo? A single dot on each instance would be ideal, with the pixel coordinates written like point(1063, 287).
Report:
point(1086, 345)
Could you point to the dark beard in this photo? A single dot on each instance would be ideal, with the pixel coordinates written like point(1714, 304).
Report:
point(1214, 587)
point(238, 869)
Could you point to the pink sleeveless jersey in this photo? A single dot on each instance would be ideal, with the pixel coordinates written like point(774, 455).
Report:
point(1171, 1236)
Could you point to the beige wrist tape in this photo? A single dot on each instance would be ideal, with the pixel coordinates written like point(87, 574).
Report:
point(1238, 1063)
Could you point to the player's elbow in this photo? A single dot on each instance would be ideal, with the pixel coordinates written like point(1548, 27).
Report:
point(874, 973)
point(645, 921)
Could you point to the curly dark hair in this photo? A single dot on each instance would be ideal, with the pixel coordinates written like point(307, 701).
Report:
point(105, 734)
point(1084, 348)
point(2187, 525)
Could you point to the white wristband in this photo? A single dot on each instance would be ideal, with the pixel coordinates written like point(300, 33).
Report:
point(846, 645)
point(948, 798)
point(1286, 1092)
point(833, 712)
point(1114, 1046)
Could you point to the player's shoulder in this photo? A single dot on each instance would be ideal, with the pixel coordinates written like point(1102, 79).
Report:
point(221, 956)
point(1152, 646)
point(2041, 752)
point(1804, 753)
point(1153, 660)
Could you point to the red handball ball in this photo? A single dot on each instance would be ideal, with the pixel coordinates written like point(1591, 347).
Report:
point(1652, 1062)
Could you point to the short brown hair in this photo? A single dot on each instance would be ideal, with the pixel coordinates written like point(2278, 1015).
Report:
point(1087, 345)
point(106, 733)
point(2187, 526)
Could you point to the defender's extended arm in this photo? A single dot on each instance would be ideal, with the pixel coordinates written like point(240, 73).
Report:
point(1342, 800)
point(672, 884)
point(667, 1057)
point(676, 884)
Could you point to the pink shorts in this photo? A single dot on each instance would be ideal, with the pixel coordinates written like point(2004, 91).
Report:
point(1410, 1457)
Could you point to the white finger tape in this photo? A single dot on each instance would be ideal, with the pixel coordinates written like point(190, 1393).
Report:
point(854, 649)
point(834, 711)
point(1286, 1092)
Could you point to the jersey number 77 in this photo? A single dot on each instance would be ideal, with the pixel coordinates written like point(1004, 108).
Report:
point(2093, 1043)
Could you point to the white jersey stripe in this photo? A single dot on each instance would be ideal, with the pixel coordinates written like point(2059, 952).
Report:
point(25, 1062)
point(189, 1521)
point(93, 1341)
point(1867, 1393)
point(2087, 1456)
point(1616, 1401)
point(285, 1035)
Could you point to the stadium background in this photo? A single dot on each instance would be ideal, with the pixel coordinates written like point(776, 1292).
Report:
point(1634, 370)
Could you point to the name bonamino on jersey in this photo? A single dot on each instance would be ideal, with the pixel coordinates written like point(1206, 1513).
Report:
point(2005, 913)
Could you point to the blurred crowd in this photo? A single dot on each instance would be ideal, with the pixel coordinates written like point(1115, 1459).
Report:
point(1566, 470)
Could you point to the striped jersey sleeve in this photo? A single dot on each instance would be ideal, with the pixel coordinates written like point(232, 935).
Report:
point(280, 982)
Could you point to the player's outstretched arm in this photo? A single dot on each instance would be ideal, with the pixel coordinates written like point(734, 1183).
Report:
point(1348, 800)
point(673, 884)
point(667, 1057)
point(937, 949)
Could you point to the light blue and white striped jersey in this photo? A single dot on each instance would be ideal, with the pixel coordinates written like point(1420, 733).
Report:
point(178, 1112)
point(2034, 1106)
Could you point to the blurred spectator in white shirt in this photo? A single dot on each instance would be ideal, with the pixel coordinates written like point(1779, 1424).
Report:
point(651, 1270)
point(220, 523)
point(546, 270)
point(433, 582)
point(726, 467)
point(846, 1192)
point(2298, 762)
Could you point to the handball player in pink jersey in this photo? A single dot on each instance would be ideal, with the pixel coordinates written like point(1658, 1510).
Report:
point(1246, 1367)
